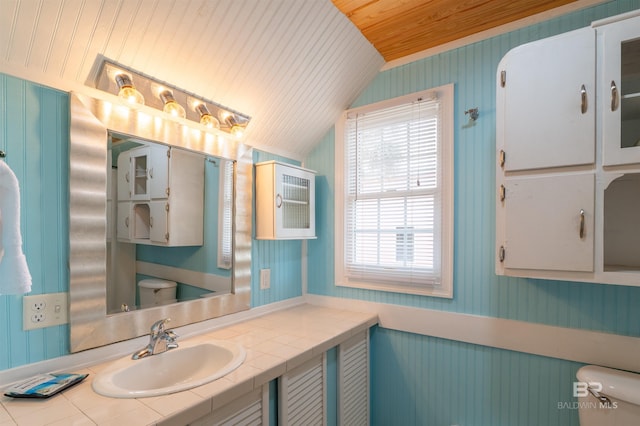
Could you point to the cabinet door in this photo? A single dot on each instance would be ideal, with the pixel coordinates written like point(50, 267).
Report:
point(159, 232)
point(295, 212)
point(124, 176)
point(546, 102)
point(159, 171)
point(123, 230)
point(550, 222)
point(619, 62)
point(139, 173)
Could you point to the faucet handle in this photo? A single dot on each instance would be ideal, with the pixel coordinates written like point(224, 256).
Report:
point(158, 326)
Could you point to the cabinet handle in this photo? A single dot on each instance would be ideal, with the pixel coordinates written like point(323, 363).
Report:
point(151, 173)
point(126, 176)
point(151, 222)
point(581, 223)
point(503, 192)
point(502, 157)
point(278, 201)
point(583, 99)
point(502, 253)
point(126, 221)
point(614, 96)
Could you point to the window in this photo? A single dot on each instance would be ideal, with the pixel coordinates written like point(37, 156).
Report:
point(394, 196)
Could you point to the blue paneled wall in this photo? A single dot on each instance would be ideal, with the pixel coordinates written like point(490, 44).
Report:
point(34, 133)
point(424, 380)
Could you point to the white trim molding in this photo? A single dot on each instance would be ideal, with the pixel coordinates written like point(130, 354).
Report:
point(572, 344)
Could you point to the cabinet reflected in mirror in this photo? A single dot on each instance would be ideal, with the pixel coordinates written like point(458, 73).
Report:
point(630, 82)
point(169, 224)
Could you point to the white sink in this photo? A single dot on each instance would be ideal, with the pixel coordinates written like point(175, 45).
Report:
point(179, 369)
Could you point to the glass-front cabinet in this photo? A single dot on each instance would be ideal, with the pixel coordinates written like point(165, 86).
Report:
point(285, 202)
point(619, 62)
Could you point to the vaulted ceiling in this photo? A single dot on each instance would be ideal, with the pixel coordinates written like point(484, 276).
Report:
point(292, 65)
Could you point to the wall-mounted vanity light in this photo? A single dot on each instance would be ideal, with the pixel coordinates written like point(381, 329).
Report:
point(126, 89)
point(118, 79)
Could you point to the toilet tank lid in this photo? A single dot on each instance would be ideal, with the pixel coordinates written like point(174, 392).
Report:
point(622, 385)
point(156, 283)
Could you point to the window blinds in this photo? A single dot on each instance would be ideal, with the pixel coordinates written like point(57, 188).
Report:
point(392, 200)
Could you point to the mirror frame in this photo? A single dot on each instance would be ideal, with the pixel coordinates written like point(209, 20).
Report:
point(91, 118)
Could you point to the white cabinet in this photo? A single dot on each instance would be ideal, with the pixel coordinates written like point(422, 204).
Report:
point(160, 196)
point(285, 202)
point(548, 115)
point(568, 168)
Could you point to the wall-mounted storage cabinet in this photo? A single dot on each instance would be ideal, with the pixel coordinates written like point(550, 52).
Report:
point(160, 196)
point(568, 155)
point(285, 202)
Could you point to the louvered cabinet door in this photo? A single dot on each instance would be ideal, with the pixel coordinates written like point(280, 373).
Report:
point(302, 394)
point(251, 409)
point(353, 381)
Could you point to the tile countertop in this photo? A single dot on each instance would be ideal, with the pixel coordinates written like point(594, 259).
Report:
point(275, 343)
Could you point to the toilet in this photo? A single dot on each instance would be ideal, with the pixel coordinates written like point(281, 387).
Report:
point(154, 291)
point(619, 393)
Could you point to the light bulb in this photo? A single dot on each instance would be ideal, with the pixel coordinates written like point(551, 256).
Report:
point(209, 121)
point(206, 119)
point(237, 131)
point(127, 91)
point(171, 106)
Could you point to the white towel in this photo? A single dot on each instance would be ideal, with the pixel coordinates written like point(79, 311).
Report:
point(14, 272)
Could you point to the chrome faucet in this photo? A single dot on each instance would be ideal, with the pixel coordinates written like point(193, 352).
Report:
point(160, 340)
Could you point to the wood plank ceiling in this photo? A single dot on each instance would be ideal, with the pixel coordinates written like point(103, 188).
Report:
point(398, 28)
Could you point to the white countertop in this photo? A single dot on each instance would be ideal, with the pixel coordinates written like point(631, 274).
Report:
point(275, 343)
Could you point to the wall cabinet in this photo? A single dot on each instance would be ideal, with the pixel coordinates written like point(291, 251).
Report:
point(285, 202)
point(160, 196)
point(568, 155)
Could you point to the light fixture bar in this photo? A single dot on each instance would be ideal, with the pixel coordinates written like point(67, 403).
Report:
point(113, 77)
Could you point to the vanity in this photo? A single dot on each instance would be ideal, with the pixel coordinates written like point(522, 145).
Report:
point(283, 346)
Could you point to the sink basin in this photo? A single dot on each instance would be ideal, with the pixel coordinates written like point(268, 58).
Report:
point(179, 369)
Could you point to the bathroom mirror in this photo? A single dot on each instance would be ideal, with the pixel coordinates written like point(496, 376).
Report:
point(94, 121)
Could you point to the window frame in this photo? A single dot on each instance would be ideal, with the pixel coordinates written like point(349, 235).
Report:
point(445, 96)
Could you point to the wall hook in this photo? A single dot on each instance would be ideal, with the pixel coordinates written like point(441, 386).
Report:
point(2, 154)
point(473, 113)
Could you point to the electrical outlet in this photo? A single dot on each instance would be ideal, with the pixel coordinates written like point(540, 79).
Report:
point(38, 317)
point(45, 310)
point(38, 305)
point(265, 279)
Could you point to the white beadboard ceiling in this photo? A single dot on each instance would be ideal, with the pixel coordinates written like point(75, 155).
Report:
point(292, 65)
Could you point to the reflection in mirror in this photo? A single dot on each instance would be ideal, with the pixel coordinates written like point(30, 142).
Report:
point(169, 224)
point(630, 96)
point(202, 243)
